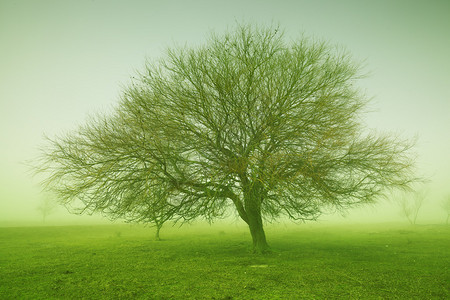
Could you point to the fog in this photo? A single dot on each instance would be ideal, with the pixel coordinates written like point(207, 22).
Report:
point(64, 61)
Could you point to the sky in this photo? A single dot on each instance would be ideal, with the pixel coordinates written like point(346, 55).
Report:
point(61, 61)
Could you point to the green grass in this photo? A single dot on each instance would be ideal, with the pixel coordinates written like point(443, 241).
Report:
point(308, 261)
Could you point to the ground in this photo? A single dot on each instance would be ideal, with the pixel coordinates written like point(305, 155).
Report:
point(307, 261)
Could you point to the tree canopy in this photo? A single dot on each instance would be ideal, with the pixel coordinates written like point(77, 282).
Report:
point(248, 121)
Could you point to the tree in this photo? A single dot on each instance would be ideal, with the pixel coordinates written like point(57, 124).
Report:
point(248, 120)
point(47, 205)
point(151, 207)
point(410, 204)
point(446, 206)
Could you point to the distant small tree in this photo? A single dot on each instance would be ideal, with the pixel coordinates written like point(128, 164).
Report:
point(410, 204)
point(446, 206)
point(150, 207)
point(248, 120)
point(47, 205)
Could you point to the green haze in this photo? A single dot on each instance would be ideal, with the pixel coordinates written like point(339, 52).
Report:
point(62, 61)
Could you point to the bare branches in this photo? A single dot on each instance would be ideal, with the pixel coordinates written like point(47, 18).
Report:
point(246, 120)
point(411, 203)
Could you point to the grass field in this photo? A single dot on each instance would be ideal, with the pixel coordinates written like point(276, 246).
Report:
point(307, 262)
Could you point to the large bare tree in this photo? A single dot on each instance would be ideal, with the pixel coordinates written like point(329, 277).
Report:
point(247, 120)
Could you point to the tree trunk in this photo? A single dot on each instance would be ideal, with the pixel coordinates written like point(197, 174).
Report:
point(250, 212)
point(255, 223)
point(158, 227)
point(257, 231)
